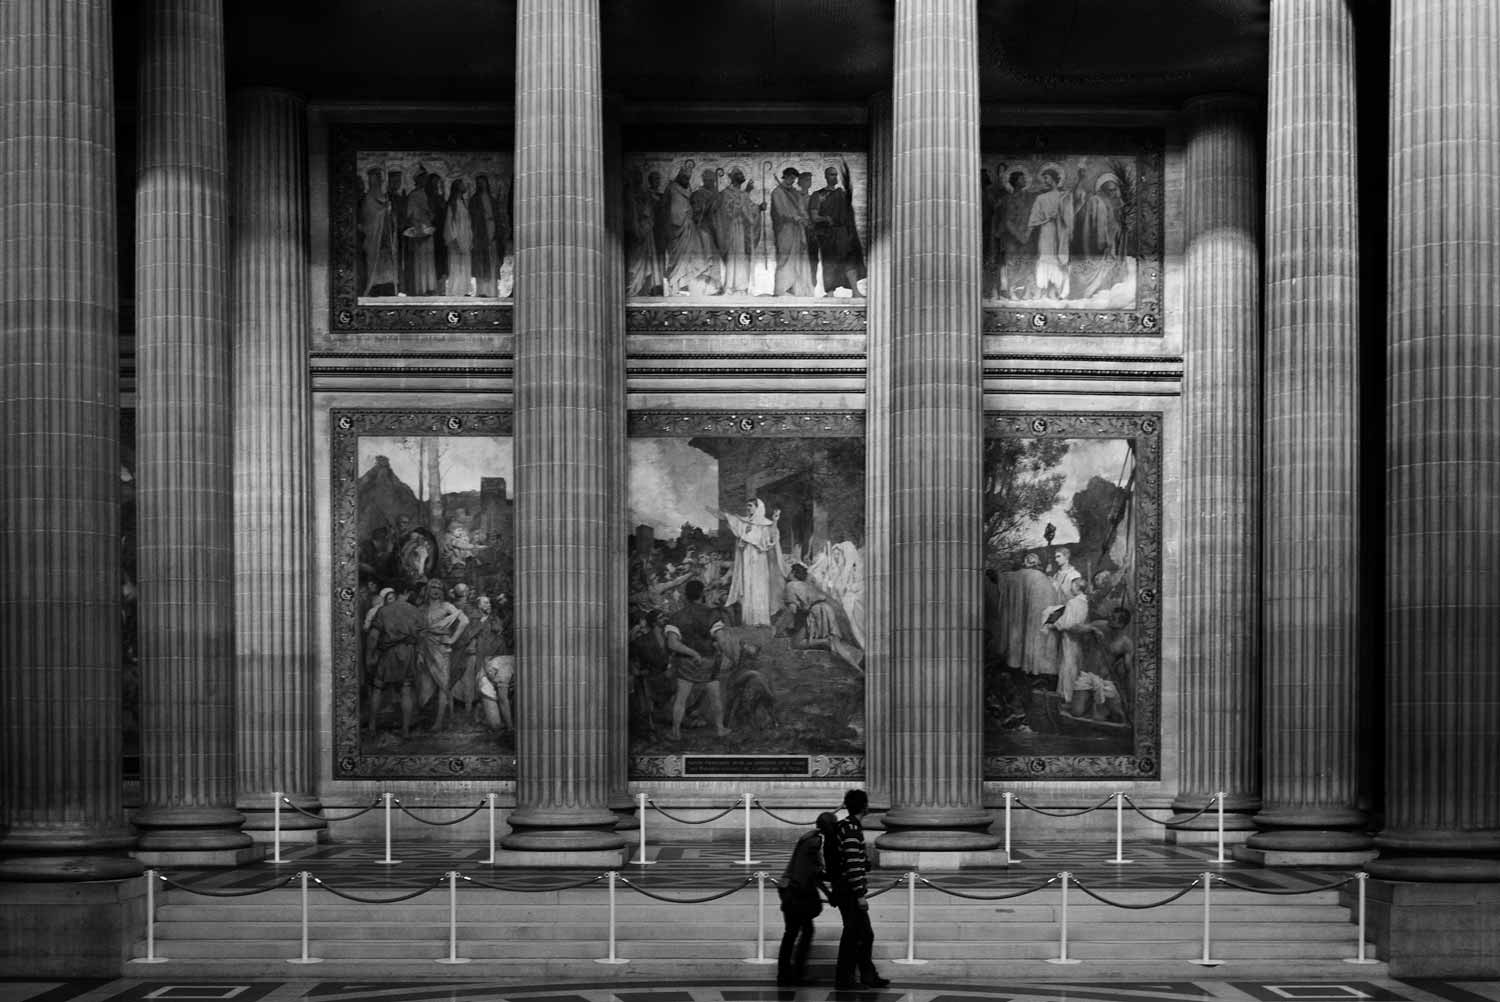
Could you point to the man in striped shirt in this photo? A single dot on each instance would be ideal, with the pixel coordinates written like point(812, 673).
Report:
point(848, 865)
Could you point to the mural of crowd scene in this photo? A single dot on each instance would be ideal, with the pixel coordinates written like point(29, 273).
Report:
point(747, 608)
point(434, 224)
point(1071, 624)
point(425, 678)
point(788, 225)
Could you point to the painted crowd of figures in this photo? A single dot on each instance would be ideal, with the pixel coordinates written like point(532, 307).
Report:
point(429, 239)
point(1051, 237)
point(719, 239)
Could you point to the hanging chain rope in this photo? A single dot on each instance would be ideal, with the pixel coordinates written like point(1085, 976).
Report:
point(1064, 814)
point(533, 890)
point(894, 884)
point(440, 824)
point(987, 897)
point(786, 820)
point(688, 901)
point(437, 882)
point(224, 894)
point(689, 821)
point(1267, 890)
point(1170, 823)
point(1121, 904)
point(324, 817)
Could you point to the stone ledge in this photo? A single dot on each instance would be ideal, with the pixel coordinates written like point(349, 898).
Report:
point(205, 857)
point(1430, 930)
point(604, 859)
point(932, 860)
point(1294, 857)
point(70, 930)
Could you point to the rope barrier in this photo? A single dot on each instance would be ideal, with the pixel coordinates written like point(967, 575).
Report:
point(439, 824)
point(786, 820)
point(885, 890)
point(688, 901)
point(1064, 814)
point(1271, 890)
point(534, 890)
point(224, 894)
point(1121, 904)
point(323, 817)
point(688, 821)
point(990, 897)
point(377, 901)
point(1171, 824)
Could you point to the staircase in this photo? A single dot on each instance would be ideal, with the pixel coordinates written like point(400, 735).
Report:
point(555, 936)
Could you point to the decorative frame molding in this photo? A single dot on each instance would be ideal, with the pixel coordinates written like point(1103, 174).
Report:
point(1144, 429)
point(346, 427)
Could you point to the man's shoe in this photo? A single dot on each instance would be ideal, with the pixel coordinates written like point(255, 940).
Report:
point(878, 983)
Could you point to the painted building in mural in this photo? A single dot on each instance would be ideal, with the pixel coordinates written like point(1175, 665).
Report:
point(1065, 417)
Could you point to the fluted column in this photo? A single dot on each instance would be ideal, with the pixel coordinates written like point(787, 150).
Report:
point(936, 429)
point(564, 512)
point(1312, 560)
point(1443, 445)
point(1220, 703)
point(273, 566)
point(184, 446)
point(879, 325)
point(61, 812)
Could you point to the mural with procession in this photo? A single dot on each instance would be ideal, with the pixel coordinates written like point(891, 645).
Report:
point(423, 630)
point(747, 613)
point(1072, 535)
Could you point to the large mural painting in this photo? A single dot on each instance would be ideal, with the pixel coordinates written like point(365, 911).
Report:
point(423, 556)
point(747, 613)
point(1071, 231)
point(1072, 531)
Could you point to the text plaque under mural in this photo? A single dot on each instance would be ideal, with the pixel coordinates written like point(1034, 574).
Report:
point(747, 613)
point(1072, 551)
point(423, 566)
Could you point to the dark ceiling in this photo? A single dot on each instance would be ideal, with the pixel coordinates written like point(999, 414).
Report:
point(1144, 52)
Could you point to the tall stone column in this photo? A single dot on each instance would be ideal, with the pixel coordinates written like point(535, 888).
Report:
point(936, 438)
point(184, 453)
point(1220, 705)
point(1443, 446)
point(1312, 561)
point(878, 325)
point(61, 810)
point(273, 566)
point(564, 513)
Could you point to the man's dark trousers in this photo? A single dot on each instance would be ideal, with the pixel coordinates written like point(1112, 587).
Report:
point(796, 942)
point(856, 946)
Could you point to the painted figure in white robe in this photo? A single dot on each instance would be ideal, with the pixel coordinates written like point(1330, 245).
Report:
point(1051, 224)
point(757, 563)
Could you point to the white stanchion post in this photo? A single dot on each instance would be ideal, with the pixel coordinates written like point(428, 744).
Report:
point(151, 957)
point(276, 830)
point(388, 861)
point(749, 805)
point(453, 957)
point(1119, 829)
point(1008, 797)
point(911, 922)
point(491, 797)
point(304, 959)
point(1062, 947)
point(1360, 957)
point(611, 959)
point(640, 813)
point(1206, 960)
point(760, 922)
point(1220, 798)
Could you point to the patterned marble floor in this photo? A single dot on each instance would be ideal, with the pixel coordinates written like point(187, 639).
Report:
point(134, 990)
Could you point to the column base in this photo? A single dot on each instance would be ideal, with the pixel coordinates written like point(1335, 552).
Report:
point(1446, 930)
point(906, 859)
point(260, 814)
point(937, 842)
point(218, 858)
point(70, 930)
point(294, 836)
point(1295, 857)
point(197, 830)
point(1304, 840)
point(1436, 869)
point(589, 859)
point(1196, 836)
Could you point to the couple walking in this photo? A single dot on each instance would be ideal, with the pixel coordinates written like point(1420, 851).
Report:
point(831, 858)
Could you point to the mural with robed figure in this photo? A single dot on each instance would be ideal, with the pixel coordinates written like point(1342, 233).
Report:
point(1072, 537)
point(747, 612)
point(423, 631)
